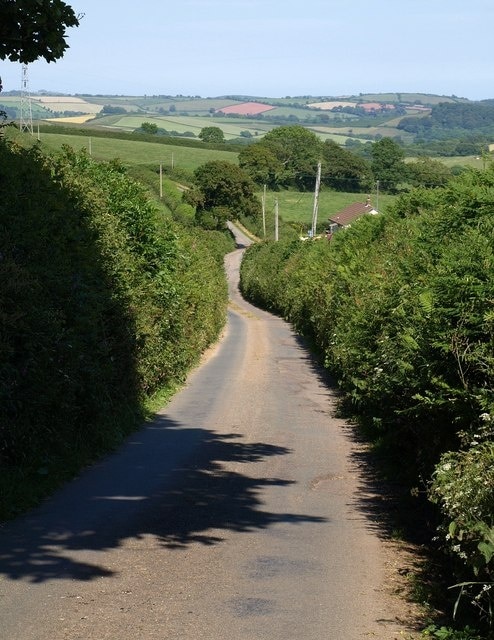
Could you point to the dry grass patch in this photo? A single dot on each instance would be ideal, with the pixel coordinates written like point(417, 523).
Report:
point(73, 119)
point(331, 105)
point(67, 103)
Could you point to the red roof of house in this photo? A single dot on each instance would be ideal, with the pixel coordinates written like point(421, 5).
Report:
point(349, 214)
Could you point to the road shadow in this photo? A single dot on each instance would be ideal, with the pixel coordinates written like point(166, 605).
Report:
point(169, 481)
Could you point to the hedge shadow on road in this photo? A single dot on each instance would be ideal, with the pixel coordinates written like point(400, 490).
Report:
point(169, 481)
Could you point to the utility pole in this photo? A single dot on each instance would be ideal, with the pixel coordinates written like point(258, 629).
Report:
point(161, 180)
point(264, 211)
point(377, 195)
point(26, 113)
point(276, 220)
point(316, 200)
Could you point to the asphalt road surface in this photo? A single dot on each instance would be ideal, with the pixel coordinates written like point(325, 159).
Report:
point(239, 513)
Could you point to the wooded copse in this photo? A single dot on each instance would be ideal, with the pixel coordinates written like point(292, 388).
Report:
point(401, 308)
point(222, 191)
point(104, 301)
point(287, 157)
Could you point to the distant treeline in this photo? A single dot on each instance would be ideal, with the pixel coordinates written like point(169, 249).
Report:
point(448, 118)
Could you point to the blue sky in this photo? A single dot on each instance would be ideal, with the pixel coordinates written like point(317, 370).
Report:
point(272, 48)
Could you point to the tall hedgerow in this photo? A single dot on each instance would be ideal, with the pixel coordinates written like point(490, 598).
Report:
point(103, 301)
point(402, 308)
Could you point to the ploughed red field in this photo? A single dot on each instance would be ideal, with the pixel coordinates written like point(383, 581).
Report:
point(247, 108)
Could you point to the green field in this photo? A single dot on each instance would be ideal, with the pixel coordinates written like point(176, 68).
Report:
point(297, 207)
point(137, 152)
point(153, 103)
point(14, 102)
point(231, 127)
point(477, 162)
point(424, 98)
point(324, 133)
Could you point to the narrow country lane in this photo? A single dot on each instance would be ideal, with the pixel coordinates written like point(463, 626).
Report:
point(237, 514)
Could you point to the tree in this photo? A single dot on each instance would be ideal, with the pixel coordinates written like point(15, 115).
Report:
point(388, 164)
point(223, 192)
point(149, 127)
point(298, 151)
point(212, 134)
point(426, 172)
point(343, 170)
point(32, 29)
point(261, 164)
point(109, 109)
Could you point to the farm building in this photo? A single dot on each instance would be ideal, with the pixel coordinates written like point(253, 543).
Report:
point(349, 214)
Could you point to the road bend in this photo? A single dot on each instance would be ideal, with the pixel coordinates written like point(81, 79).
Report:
point(236, 514)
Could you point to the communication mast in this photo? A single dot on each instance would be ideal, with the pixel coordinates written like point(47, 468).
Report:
point(26, 114)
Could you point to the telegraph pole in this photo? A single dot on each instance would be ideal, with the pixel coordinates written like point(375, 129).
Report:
point(377, 195)
point(316, 200)
point(264, 211)
point(276, 220)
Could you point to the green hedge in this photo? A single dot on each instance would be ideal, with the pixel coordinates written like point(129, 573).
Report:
point(103, 302)
point(401, 306)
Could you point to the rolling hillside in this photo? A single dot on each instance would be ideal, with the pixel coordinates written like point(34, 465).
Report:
point(362, 118)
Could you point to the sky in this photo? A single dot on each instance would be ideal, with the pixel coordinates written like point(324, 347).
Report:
point(271, 48)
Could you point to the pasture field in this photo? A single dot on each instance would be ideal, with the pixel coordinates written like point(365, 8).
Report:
point(231, 127)
point(423, 98)
point(297, 207)
point(198, 105)
point(138, 152)
point(360, 132)
point(475, 162)
point(324, 134)
point(301, 112)
point(154, 103)
point(287, 101)
point(389, 131)
point(346, 129)
point(38, 110)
